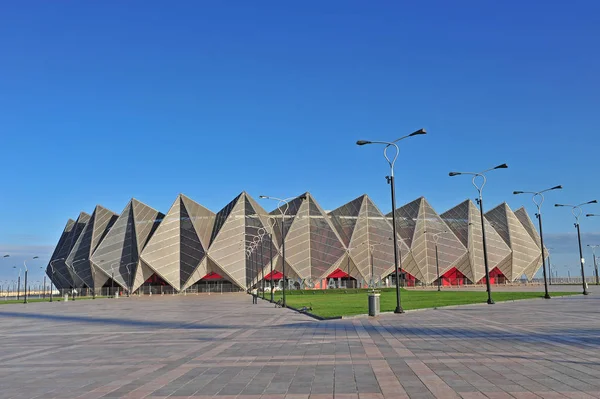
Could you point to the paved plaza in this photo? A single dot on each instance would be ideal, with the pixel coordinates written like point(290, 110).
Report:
point(222, 346)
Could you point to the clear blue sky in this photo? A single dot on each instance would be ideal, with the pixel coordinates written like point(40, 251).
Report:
point(101, 102)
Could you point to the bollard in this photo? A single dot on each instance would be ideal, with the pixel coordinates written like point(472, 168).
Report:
point(66, 298)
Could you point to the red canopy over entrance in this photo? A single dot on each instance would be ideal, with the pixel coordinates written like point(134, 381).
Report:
point(277, 275)
point(338, 273)
point(212, 276)
point(453, 277)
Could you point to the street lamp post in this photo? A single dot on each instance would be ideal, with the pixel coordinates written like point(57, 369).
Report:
point(112, 278)
point(44, 286)
point(18, 283)
point(436, 237)
point(283, 214)
point(261, 232)
point(479, 189)
point(550, 275)
point(129, 285)
point(52, 276)
point(595, 264)
point(26, 271)
point(576, 211)
point(77, 275)
point(390, 180)
point(249, 259)
point(538, 200)
point(272, 223)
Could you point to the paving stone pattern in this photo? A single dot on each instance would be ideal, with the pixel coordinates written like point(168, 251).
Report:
point(222, 346)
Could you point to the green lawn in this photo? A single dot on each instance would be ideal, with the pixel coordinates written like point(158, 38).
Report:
point(36, 299)
point(333, 303)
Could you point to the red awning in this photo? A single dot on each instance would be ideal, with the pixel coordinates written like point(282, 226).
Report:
point(338, 273)
point(212, 276)
point(277, 275)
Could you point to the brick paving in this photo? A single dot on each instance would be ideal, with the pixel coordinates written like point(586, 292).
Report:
point(222, 346)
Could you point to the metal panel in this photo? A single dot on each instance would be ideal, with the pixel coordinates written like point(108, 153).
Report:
point(94, 231)
point(59, 281)
point(227, 245)
point(524, 248)
point(162, 253)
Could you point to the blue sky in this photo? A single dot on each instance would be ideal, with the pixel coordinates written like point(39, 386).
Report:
point(102, 102)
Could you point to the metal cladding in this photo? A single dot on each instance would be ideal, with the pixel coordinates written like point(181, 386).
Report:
point(118, 253)
point(92, 234)
point(242, 243)
point(57, 268)
point(465, 221)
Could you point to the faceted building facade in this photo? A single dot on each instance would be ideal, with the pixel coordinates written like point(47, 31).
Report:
point(242, 245)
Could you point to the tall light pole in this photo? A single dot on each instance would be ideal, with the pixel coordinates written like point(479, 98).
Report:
point(538, 200)
point(112, 278)
point(272, 223)
point(479, 188)
point(52, 276)
point(77, 275)
point(18, 283)
point(248, 257)
point(283, 212)
point(436, 237)
point(391, 182)
point(129, 285)
point(595, 264)
point(44, 286)
point(261, 233)
point(6, 256)
point(576, 211)
point(549, 266)
point(26, 271)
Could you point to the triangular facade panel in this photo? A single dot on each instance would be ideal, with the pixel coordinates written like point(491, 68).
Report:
point(524, 248)
point(297, 241)
point(406, 220)
point(497, 249)
point(326, 247)
point(527, 223)
point(162, 253)
point(118, 252)
point(191, 249)
point(345, 217)
point(142, 273)
point(228, 244)
point(62, 270)
point(59, 255)
point(94, 231)
point(450, 249)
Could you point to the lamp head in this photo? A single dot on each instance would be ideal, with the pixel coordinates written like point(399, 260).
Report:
point(591, 214)
point(559, 205)
point(556, 188)
point(362, 142)
point(592, 202)
point(262, 196)
point(503, 166)
point(418, 132)
point(517, 192)
point(35, 257)
point(453, 173)
point(6, 256)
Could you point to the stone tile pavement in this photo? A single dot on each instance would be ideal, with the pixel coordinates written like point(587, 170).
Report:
point(222, 346)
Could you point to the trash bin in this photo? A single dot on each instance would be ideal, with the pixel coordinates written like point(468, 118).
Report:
point(374, 304)
point(116, 294)
point(66, 298)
